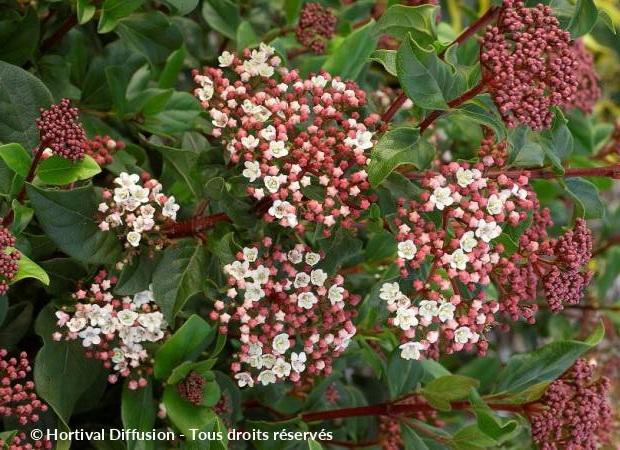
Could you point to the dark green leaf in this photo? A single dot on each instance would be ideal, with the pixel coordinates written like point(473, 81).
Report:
point(400, 20)
point(138, 411)
point(16, 158)
point(588, 204)
point(387, 58)
point(403, 375)
point(584, 18)
point(114, 10)
point(352, 54)
point(58, 171)
point(222, 16)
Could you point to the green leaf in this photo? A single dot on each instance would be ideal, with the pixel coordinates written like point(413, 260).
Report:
point(16, 158)
point(56, 170)
point(117, 81)
point(138, 412)
point(471, 437)
point(182, 7)
point(292, 9)
point(19, 35)
point(441, 391)
point(530, 154)
point(16, 324)
point(27, 268)
point(246, 36)
point(489, 422)
point(177, 115)
point(222, 16)
point(557, 141)
point(480, 114)
point(588, 204)
point(85, 11)
point(178, 276)
point(22, 215)
point(150, 34)
point(418, 21)
point(387, 58)
point(411, 439)
point(398, 147)
point(114, 10)
point(137, 275)
point(62, 373)
point(403, 375)
point(584, 18)
point(184, 415)
point(544, 364)
point(186, 344)
point(352, 54)
point(418, 72)
point(172, 69)
point(67, 218)
point(22, 95)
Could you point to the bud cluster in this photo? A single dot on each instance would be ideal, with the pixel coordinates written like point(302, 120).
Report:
point(102, 149)
point(293, 318)
point(317, 25)
point(61, 131)
point(9, 258)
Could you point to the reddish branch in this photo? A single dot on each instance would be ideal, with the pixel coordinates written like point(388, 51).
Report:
point(477, 89)
point(194, 226)
point(466, 34)
point(54, 39)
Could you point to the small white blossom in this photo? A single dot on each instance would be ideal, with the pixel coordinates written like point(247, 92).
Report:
point(298, 361)
point(312, 258)
point(411, 350)
point(250, 254)
point(306, 300)
point(127, 317)
point(335, 294)
point(238, 270)
point(488, 231)
point(407, 249)
point(468, 242)
point(281, 343)
point(278, 149)
point(405, 318)
point(428, 309)
point(302, 280)
point(462, 335)
point(459, 260)
point(442, 197)
point(446, 311)
point(226, 59)
point(244, 379)
point(281, 368)
point(266, 377)
point(318, 277)
point(90, 336)
point(464, 177)
point(495, 205)
point(252, 170)
point(272, 184)
point(133, 237)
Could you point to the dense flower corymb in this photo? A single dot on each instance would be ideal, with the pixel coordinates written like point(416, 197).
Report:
point(102, 149)
point(9, 258)
point(113, 329)
point(61, 132)
point(137, 209)
point(528, 65)
point(316, 26)
point(301, 144)
point(293, 318)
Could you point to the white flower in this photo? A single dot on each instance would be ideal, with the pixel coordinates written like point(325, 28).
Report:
point(252, 170)
point(133, 237)
point(312, 258)
point(318, 277)
point(488, 230)
point(219, 118)
point(495, 205)
point(266, 377)
point(339, 86)
point(143, 298)
point(281, 343)
point(302, 279)
point(255, 349)
point(170, 208)
point(468, 242)
point(389, 292)
point(268, 133)
point(272, 184)
point(462, 335)
point(126, 180)
point(253, 292)
point(279, 209)
point(294, 256)
point(268, 360)
point(464, 177)
point(362, 140)
point(319, 81)
point(90, 336)
point(428, 309)
point(446, 311)
point(152, 321)
point(442, 197)
point(402, 301)
point(127, 317)
point(281, 368)
point(117, 355)
point(405, 318)
point(410, 350)
point(335, 294)
point(298, 361)
point(250, 254)
point(103, 207)
point(278, 149)
point(260, 275)
point(76, 324)
point(244, 379)
point(226, 59)
point(261, 113)
point(249, 142)
point(407, 249)
point(306, 300)
point(147, 211)
point(238, 270)
point(458, 259)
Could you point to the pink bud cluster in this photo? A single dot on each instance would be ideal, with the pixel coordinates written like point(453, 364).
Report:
point(137, 209)
point(293, 319)
point(528, 65)
point(588, 92)
point(575, 412)
point(102, 149)
point(18, 398)
point(303, 144)
point(191, 388)
point(113, 330)
point(455, 225)
point(316, 26)
point(61, 132)
point(9, 258)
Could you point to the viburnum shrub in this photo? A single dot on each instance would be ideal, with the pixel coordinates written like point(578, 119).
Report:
point(299, 224)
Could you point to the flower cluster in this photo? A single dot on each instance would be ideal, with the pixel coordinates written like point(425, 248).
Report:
point(528, 65)
point(17, 396)
point(112, 329)
point(588, 92)
point(138, 209)
point(455, 224)
point(191, 388)
point(575, 412)
point(316, 26)
point(9, 258)
point(293, 319)
point(102, 149)
point(302, 144)
point(61, 132)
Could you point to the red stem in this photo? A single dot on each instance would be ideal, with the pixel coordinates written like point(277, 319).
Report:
point(54, 39)
point(8, 220)
point(477, 89)
point(194, 225)
point(394, 107)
